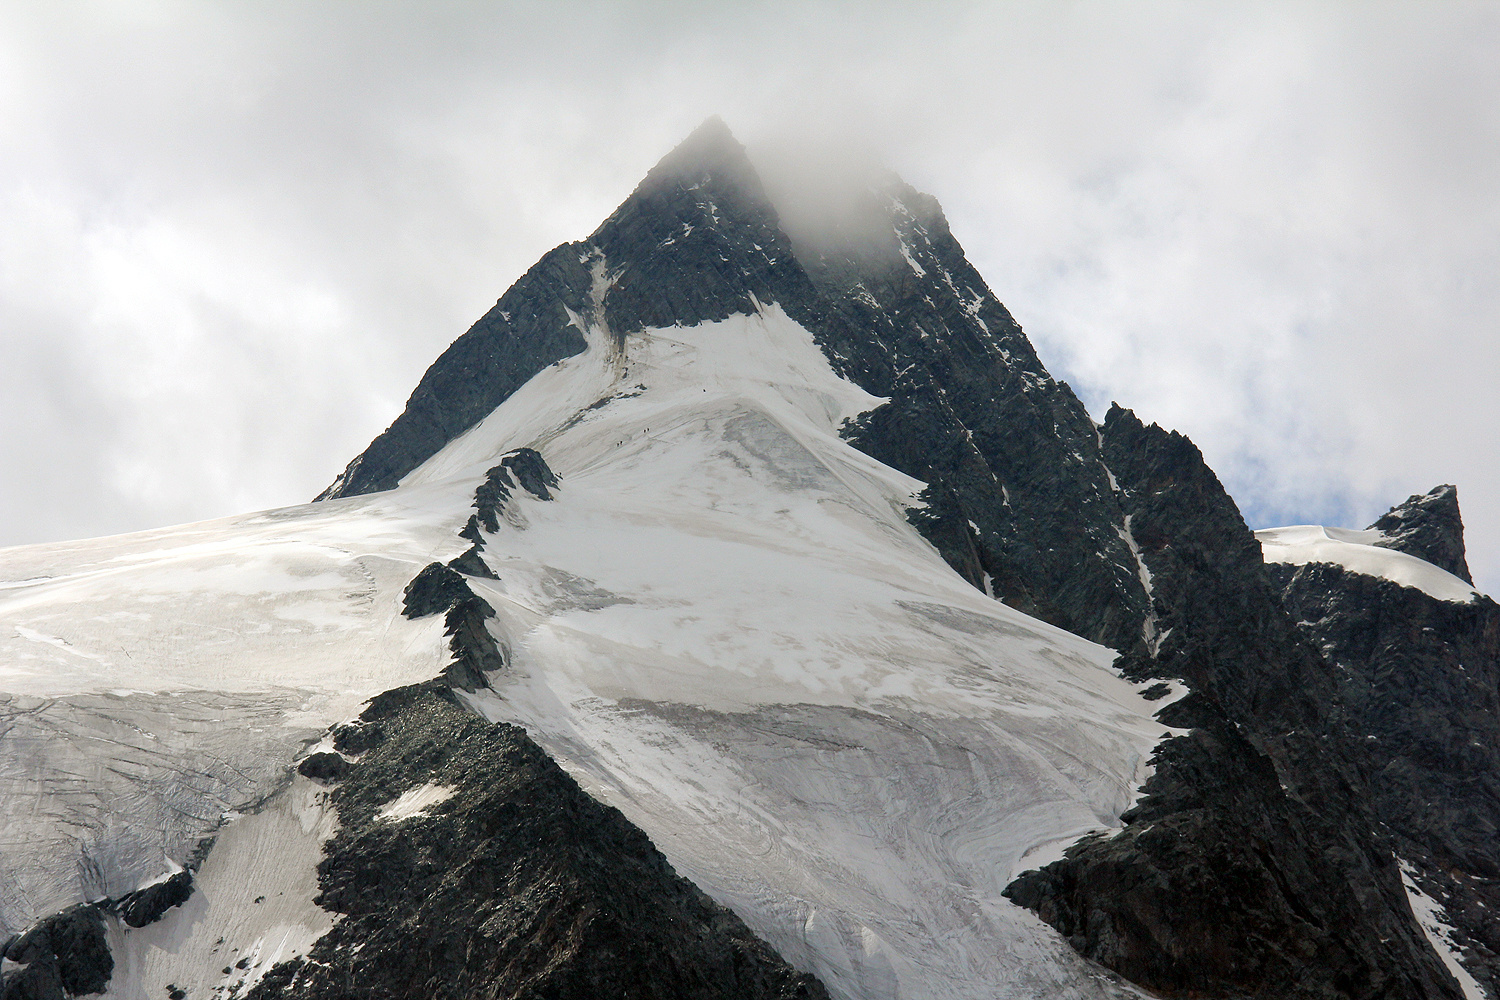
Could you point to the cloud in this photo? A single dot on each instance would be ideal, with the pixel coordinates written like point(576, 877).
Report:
point(237, 234)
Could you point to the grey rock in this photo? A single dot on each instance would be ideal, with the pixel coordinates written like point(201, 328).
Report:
point(433, 590)
point(325, 767)
point(147, 905)
point(65, 954)
point(1253, 865)
point(1428, 526)
point(1420, 678)
point(519, 885)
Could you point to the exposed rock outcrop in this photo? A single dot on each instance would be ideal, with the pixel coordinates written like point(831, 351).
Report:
point(1018, 500)
point(65, 954)
point(149, 903)
point(1430, 527)
point(1420, 678)
point(1253, 866)
point(527, 330)
point(517, 884)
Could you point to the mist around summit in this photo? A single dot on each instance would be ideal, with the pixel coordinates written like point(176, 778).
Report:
point(1270, 228)
point(740, 608)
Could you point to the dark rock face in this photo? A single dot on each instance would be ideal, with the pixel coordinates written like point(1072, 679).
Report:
point(434, 589)
point(697, 241)
point(326, 767)
point(523, 467)
point(1211, 888)
point(1253, 866)
point(1421, 680)
point(438, 588)
point(519, 885)
point(475, 651)
point(1428, 527)
point(65, 954)
point(147, 905)
point(1222, 626)
point(527, 330)
point(1019, 502)
point(471, 563)
point(1018, 499)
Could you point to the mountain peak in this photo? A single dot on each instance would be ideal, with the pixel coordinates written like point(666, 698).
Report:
point(1429, 527)
point(709, 151)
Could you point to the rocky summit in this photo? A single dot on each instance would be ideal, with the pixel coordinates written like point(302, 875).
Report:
point(740, 609)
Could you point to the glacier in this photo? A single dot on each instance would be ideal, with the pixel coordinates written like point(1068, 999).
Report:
point(724, 625)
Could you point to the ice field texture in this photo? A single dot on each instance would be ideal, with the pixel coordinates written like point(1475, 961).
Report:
point(723, 625)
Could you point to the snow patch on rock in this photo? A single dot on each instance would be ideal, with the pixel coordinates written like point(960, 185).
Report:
point(727, 628)
point(1435, 924)
point(415, 802)
point(252, 906)
point(1357, 552)
point(724, 625)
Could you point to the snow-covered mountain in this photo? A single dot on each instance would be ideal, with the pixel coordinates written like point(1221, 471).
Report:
point(738, 610)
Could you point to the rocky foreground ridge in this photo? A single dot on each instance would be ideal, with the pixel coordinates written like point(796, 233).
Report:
point(1336, 725)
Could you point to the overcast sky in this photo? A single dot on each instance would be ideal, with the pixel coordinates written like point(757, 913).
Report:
point(232, 236)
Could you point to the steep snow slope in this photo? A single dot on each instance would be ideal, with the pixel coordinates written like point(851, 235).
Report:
point(724, 625)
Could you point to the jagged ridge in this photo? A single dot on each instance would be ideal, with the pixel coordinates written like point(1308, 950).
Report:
point(1018, 501)
point(1252, 866)
point(1428, 526)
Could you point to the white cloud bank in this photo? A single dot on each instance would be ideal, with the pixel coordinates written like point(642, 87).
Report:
point(234, 235)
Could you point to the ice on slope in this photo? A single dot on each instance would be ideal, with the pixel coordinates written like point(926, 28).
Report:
point(1357, 552)
point(725, 626)
point(415, 802)
point(1438, 928)
point(251, 907)
point(151, 682)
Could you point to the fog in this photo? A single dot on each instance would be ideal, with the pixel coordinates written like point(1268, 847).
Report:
point(236, 234)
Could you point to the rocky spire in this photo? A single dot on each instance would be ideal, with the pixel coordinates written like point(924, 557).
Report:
point(1429, 527)
point(709, 153)
point(1018, 499)
point(696, 241)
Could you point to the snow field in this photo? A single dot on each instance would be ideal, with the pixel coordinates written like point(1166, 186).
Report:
point(153, 681)
point(251, 907)
point(725, 627)
point(1435, 924)
point(415, 802)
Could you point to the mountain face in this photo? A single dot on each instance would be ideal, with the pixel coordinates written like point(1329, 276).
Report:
point(1430, 528)
point(740, 609)
point(1255, 848)
point(1417, 665)
point(907, 319)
